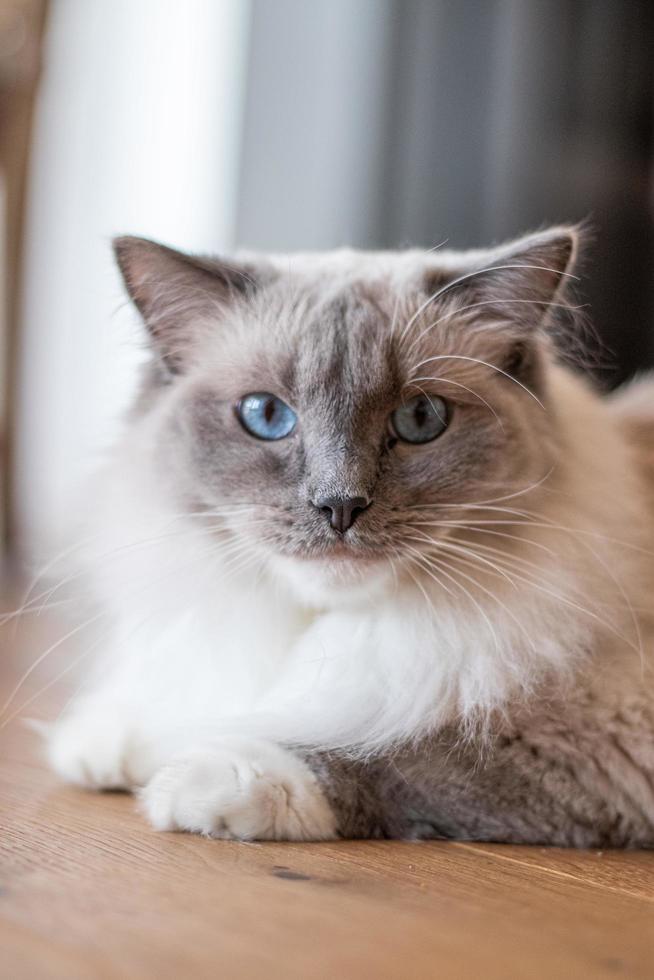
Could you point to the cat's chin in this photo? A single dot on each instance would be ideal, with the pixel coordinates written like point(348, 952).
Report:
point(334, 581)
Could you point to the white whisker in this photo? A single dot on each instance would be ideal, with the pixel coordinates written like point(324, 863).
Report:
point(458, 384)
point(39, 660)
point(471, 275)
point(478, 360)
point(489, 302)
point(488, 593)
point(428, 568)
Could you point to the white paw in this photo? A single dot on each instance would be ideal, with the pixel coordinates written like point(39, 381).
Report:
point(99, 749)
point(240, 788)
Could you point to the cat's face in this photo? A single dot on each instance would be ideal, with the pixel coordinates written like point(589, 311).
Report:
point(334, 418)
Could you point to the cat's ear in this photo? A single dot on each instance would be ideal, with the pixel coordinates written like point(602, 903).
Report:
point(175, 292)
point(519, 282)
point(517, 292)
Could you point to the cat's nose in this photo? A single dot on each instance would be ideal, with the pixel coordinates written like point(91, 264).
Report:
point(342, 511)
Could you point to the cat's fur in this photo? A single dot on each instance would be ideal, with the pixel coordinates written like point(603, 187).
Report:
point(473, 658)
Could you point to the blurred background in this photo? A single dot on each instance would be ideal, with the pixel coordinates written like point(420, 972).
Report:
point(286, 124)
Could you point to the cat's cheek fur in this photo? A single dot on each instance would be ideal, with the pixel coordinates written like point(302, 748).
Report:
point(239, 789)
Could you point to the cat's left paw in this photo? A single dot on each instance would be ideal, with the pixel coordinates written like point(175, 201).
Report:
point(239, 789)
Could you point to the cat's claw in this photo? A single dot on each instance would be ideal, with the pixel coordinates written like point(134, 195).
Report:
point(239, 789)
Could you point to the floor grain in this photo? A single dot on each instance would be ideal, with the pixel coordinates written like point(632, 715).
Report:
point(88, 890)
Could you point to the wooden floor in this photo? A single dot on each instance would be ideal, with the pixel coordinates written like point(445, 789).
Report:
point(88, 890)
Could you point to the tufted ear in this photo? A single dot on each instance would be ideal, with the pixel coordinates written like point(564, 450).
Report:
point(175, 292)
point(529, 273)
point(518, 281)
point(512, 293)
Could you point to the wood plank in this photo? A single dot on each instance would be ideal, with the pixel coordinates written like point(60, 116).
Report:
point(629, 872)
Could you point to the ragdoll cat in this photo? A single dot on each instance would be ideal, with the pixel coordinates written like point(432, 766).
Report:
point(372, 560)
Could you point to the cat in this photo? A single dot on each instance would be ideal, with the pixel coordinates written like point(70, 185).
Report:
point(374, 558)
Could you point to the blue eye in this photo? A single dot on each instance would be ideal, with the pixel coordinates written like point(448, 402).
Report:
point(265, 416)
point(421, 419)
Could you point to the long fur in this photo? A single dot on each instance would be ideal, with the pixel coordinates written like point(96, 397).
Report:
point(497, 591)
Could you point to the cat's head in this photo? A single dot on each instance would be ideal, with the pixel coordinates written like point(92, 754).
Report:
point(336, 413)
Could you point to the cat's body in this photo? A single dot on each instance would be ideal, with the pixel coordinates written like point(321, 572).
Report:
point(470, 656)
point(570, 771)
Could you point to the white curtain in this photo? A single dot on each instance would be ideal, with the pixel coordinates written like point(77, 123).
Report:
point(138, 130)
